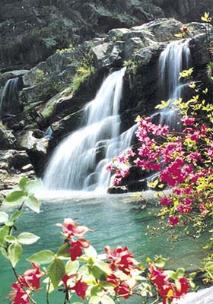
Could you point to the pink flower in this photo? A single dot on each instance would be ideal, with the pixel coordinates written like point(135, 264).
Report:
point(166, 201)
point(120, 258)
point(123, 290)
point(31, 278)
point(184, 209)
point(18, 295)
point(71, 229)
point(188, 121)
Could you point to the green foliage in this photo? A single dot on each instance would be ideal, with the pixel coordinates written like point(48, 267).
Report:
point(69, 49)
point(15, 251)
point(210, 70)
point(82, 74)
point(10, 244)
point(42, 257)
point(207, 269)
point(39, 76)
point(49, 42)
point(56, 271)
point(27, 238)
point(186, 73)
point(131, 66)
point(206, 17)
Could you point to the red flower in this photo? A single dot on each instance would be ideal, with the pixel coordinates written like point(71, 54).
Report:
point(76, 248)
point(184, 287)
point(31, 277)
point(18, 295)
point(157, 276)
point(80, 288)
point(123, 290)
point(173, 220)
point(65, 279)
point(113, 279)
point(120, 258)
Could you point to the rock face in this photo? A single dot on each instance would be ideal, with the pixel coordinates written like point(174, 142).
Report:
point(30, 31)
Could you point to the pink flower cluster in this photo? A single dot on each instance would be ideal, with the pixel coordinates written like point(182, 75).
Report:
point(29, 281)
point(120, 166)
point(74, 234)
point(182, 159)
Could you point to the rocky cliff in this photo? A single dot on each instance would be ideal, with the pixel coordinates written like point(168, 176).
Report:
point(30, 31)
point(54, 91)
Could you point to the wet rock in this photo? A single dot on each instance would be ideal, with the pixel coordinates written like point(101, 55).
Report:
point(29, 142)
point(117, 190)
point(67, 124)
point(10, 74)
point(7, 139)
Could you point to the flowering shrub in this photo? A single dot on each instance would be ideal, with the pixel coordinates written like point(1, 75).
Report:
point(183, 160)
point(77, 269)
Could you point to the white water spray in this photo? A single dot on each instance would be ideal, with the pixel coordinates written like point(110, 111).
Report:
point(80, 160)
point(175, 58)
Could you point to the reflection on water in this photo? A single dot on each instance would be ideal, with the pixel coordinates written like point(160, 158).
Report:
point(115, 220)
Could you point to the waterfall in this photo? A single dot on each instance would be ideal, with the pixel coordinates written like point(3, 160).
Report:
point(9, 101)
point(175, 58)
point(80, 160)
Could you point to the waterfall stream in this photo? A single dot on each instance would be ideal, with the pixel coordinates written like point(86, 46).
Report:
point(175, 58)
point(9, 101)
point(79, 162)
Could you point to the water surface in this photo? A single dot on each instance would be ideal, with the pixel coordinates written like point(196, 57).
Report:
point(115, 220)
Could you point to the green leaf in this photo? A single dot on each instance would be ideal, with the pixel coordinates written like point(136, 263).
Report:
point(15, 215)
point(90, 252)
point(56, 271)
point(163, 105)
point(33, 203)
point(160, 261)
point(10, 239)
point(27, 238)
point(72, 267)
point(4, 252)
point(3, 217)
point(95, 300)
point(15, 252)
point(23, 183)
point(32, 186)
point(171, 274)
point(42, 257)
point(97, 272)
point(15, 197)
point(104, 267)
point(64, 250)
point(107, 300)
point(180, 272)
point(3, 233)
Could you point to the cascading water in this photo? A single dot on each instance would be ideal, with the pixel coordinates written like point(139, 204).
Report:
point(79, 162)
point(175, 58)
point(9, 101)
